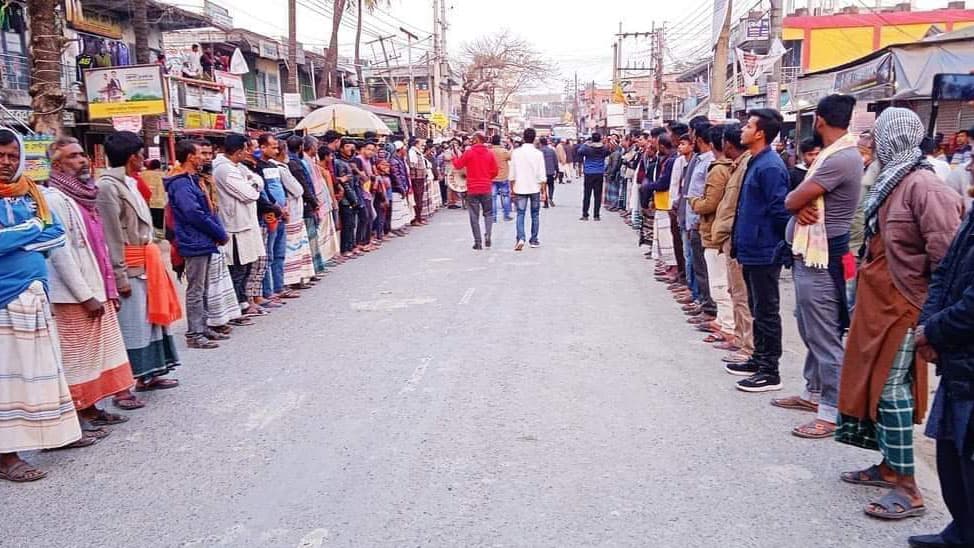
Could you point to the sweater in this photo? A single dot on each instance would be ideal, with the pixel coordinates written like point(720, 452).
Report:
point(481, 168)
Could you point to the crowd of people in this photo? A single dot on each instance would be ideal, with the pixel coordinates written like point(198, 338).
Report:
point(862, 221)
point(87, 301)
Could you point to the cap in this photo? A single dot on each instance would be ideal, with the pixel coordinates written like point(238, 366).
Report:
point(398, 145)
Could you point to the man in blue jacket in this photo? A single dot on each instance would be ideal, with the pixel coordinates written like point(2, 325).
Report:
point(759, 230)
point(198, 234)
point(593, 155)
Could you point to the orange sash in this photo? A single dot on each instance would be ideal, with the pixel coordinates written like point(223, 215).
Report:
point(163, 301)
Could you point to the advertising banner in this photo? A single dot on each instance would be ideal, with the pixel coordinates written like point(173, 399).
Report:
point(234, 95)
point(124, 91)
point(36, 165)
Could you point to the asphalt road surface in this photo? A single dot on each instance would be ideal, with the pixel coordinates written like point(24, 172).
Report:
point(430, 395)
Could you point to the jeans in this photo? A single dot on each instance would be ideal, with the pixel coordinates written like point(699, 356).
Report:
point(522, 206)
point(502, 190)
point(276, 250)
point(764, 301)
point(700, 273)
point(197, 277)
point(363, 224)
point(477, 202)
point(688, 262)
point(956, 473)
point(593, 185)
point(817, 311)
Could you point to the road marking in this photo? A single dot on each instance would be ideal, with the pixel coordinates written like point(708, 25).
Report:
point(466, 296)
point(314, 539)
point(417, 376)
point(383, 305)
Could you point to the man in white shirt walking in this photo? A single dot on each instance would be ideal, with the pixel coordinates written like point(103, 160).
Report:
point(528, 178)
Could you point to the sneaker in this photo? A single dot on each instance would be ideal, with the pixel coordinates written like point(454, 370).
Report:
point(535, 244)
point(760, 382)
point(745, 369)
point(487, 242)
point(519, 245)
point(477, 246)
point(597, 218)
point(584, 218)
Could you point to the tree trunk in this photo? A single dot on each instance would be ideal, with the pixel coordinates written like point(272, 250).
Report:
point(363, 89)
point(47, 96)
point(143, 56)
point(331, 56)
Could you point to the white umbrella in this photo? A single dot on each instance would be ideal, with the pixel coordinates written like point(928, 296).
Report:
point(343, 119)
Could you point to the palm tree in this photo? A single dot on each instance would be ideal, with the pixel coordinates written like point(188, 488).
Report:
point(327, 85)
point(47, 97)
point(370, 6)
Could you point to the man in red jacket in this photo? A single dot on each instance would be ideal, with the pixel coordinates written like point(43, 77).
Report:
point(481, 169)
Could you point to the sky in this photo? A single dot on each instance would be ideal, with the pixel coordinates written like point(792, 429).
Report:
point(576, 34)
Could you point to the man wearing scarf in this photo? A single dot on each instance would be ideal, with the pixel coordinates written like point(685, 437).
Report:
point(824, 204)
point(84, 295)
point(910, 219)
point(149, 303)
point(36, 409)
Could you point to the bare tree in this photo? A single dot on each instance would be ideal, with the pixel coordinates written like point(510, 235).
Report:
point(499, 64)
point(47, 96)
point(327, 87)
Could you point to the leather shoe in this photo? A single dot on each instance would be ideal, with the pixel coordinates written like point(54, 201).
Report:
point(929, 541)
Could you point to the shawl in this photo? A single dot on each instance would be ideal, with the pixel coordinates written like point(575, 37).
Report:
point(84, 193)
point(23, 186)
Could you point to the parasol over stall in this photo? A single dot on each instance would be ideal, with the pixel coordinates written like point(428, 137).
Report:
point(346, 119)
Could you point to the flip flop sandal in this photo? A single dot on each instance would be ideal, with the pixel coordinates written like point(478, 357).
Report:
point(736, 358)
point(708, 328)
point(290, 296)
point(728, 346)
point(870, 476)
point(128, 404)
point(240, 322)
point(104, 418)
point(96, 433)
point(85, 441)
point(894, 506)
point(162, 384)
point(794, 402)
point(22, 473)
point(814, 430)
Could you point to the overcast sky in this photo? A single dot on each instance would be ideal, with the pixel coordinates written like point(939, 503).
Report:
point(576, 34)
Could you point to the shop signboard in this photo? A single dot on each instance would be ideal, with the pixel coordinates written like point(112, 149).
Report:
point(124, 91)
point(89, 21)
point(865, 76)
point(234, 94)
point(292, 105)
point(36, 165)
point(217, 14)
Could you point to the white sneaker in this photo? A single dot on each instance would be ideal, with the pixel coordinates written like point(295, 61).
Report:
point(519, 245)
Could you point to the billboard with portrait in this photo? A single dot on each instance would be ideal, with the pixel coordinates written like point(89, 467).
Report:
point(124, 91)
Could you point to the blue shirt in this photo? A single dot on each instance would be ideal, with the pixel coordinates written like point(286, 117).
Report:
point(698, 181)
point(24, 241)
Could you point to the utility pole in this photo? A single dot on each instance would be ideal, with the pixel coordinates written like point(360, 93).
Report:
point(446, 95)
point(718, 82)
point(411, 88)
point(292, 52)
point(578, 124)
point(774, 84)
point(437, 53)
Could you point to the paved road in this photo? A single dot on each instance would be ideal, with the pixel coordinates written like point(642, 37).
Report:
point(430, 395)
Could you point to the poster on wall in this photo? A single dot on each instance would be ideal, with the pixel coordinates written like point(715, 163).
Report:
point(125, 91)
point(36, 165)
point(234, 95)
point(238, 120)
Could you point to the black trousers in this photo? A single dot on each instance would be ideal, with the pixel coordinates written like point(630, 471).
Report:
point(681, 261)
point(347, 238)
point(363, 226)
point(239, 274)
point(956, 473)
point(593, 185)
point(764, 301)
point(551, 188)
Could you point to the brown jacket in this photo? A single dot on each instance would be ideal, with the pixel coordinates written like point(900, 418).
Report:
point(917, 223)
point(126, 219)
point(503, 158)
point(723, 224)
point(718, 174)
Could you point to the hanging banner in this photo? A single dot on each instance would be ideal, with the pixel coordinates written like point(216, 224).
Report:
point(234, 95)
point(127, 123)
point(124, 91)
point(753, 65)
point(292, 105)
point(867, 75)
point(36, 165)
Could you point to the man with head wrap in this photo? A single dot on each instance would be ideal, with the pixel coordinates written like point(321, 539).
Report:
point(36, 409)
point(910, 219)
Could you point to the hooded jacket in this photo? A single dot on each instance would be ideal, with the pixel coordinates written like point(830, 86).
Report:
point(481, 168)
point(198, 230)
point(593, 157)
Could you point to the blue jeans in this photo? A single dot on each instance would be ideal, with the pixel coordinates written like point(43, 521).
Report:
point(688, 256)
point(276, 249)
point(522, 206)
point(502, 189)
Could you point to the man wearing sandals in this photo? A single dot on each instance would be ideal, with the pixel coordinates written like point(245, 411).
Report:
point(36, 410)
point(910, 219)
point(833, 180)
point(83, 294)
point(138, 268)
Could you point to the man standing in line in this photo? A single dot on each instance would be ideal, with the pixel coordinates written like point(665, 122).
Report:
point(759, 230)
point(276, 242)
point(593, 155)
point(34, 395)
point(83, 293)
point(198, 235)
point(551, 171)
point(238, 191)
point(501, 183)
point(528, 175)
point(149, 302)
point(562, 161)
point(481, 168)
point(707, 310)
point(833, 181)
point(417, 178)
point(808, 149)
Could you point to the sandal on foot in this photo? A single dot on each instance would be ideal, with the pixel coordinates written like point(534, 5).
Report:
point(894, 506)
point(85, 441)
point(104, 418)
point(160, 384)
point(815, 430)
point(21, 472)
point(736, 357)
point(128, 404)
point(727, 345)
point(870, 476)
point(240, 322)
point(796, 403)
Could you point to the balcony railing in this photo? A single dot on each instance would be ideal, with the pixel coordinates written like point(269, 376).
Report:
point(14, 72)
point(265, 101)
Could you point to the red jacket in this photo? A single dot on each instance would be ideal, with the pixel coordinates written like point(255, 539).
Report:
point(481, 168)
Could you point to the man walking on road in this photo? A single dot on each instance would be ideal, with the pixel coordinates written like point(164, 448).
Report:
point(527, 177)
point(501, 184)
point(481, 168)
point(551, 170)
point(593, 155)
point(758, 230)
